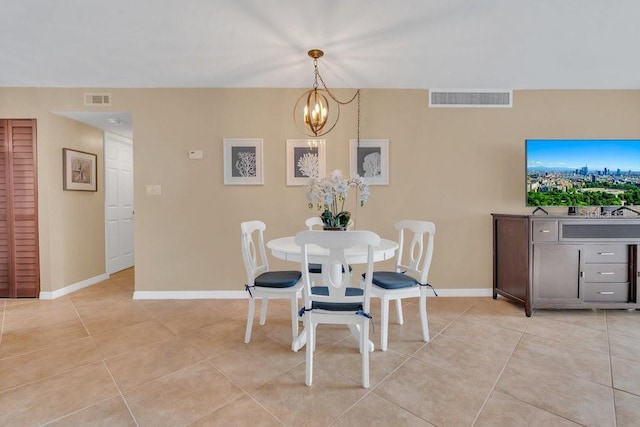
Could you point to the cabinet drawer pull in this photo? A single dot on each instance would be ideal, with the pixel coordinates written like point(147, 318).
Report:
point(545, 231)
point(606, 273)
point(606, 292)
point(606, 253)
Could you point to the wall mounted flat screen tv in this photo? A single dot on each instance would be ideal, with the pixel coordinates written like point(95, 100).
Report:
point(585, 172)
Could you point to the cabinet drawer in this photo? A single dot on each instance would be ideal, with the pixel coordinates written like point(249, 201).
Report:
point(606, 253)
point(544, 231)
point(606, 272)
point(607, 292)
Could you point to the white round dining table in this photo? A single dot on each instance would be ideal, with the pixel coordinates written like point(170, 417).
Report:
point(285, 248)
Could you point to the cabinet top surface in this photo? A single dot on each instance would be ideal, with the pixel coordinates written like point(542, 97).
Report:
point(577, 218)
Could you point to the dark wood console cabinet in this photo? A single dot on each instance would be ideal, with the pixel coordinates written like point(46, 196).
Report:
point(566, 262)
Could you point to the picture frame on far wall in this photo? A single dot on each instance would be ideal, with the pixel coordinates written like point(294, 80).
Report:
point(370, 159)
point(243, 164)
point(305, 158)
point(79, 170)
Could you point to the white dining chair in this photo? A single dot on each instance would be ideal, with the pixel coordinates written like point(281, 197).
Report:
point(316, 223)
point(265, 284)
point(336, 301)
point(408, 280)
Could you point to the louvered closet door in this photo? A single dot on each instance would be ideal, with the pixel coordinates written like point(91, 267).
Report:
point(5, 253)
point(19, 262)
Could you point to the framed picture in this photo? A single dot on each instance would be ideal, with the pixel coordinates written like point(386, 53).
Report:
point(370, 159)
point(305, 159)
point(79, 170)
point(243, 162)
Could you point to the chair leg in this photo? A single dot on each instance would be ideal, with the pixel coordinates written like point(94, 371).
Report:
point(252, 308)
point(364, 340)
point(311, 343)
point(294, 317)
point(384, 323)
point(423, 316)
point(399, 316)
point(263, 310)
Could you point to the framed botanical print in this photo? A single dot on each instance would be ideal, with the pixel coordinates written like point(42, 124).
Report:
point(243, 161)
point(79, 170)
point(370, 159)
point(305, 159)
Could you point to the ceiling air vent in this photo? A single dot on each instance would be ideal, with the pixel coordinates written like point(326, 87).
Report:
point(447, 98)
point(101, 99)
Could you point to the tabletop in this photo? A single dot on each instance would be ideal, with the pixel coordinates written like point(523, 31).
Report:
point(286, 248)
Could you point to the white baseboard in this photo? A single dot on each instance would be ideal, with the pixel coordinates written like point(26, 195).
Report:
point(190, 294)
point(75, 287)
point(482, 292)
point(478, 292)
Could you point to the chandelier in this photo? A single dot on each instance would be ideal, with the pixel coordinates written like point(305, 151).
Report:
point(313, 114)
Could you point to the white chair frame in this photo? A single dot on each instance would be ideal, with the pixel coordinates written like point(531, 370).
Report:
point(336, 277)
point(256, 263)
point(418, 267)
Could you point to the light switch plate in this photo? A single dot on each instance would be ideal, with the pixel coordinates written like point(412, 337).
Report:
point(154, 190)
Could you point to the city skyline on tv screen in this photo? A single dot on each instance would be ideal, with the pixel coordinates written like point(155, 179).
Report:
point(583, 172)
point(576, 154)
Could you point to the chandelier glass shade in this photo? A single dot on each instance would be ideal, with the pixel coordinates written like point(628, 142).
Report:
point(316, 111)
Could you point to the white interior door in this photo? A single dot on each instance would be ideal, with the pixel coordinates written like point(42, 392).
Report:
point(118, 161)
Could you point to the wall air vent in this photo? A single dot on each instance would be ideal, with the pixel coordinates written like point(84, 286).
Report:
point(97, 99)
point(452, 98)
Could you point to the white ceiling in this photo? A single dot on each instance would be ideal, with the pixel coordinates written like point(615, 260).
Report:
point(491, 44)
point(445, 44)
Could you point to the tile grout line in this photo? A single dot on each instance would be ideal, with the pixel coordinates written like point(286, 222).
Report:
point(613, 394)
point(4, 313)
point(493, 387)
point(409, 357)
point(245, 393)
point(514, 397)
point(104, 363)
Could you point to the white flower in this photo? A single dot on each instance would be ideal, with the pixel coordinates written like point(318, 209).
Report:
point(329, 193)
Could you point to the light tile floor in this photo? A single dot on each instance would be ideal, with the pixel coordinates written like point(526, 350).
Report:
point(97, 357)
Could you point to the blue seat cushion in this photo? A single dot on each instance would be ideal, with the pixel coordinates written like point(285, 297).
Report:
point(392, 280)
point(317, 268)
point(278, 279)
point(336, 306)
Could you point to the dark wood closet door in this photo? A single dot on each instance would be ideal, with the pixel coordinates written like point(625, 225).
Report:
point(19, 254)
point(5, 244)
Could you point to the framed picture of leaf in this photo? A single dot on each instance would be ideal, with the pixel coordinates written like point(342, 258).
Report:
point(305, 159)
point(243, 161)
point(370, 159)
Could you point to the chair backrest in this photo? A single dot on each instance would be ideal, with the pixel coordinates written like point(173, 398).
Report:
point(336, 275)
point(316, 221)
point(418, 256)
point(313, 222)
point(254, 254)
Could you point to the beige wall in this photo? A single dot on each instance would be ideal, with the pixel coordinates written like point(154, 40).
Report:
point(453, 166)
point(71, 223)
point(76, 222)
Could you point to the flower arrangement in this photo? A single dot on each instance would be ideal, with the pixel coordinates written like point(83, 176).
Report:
point(329, 194)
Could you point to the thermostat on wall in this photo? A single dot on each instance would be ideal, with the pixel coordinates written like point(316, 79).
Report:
point(195, 154)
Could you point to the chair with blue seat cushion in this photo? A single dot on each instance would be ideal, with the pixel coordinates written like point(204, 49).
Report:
point(409, 280)
point(265, 284)
point(335, 301)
